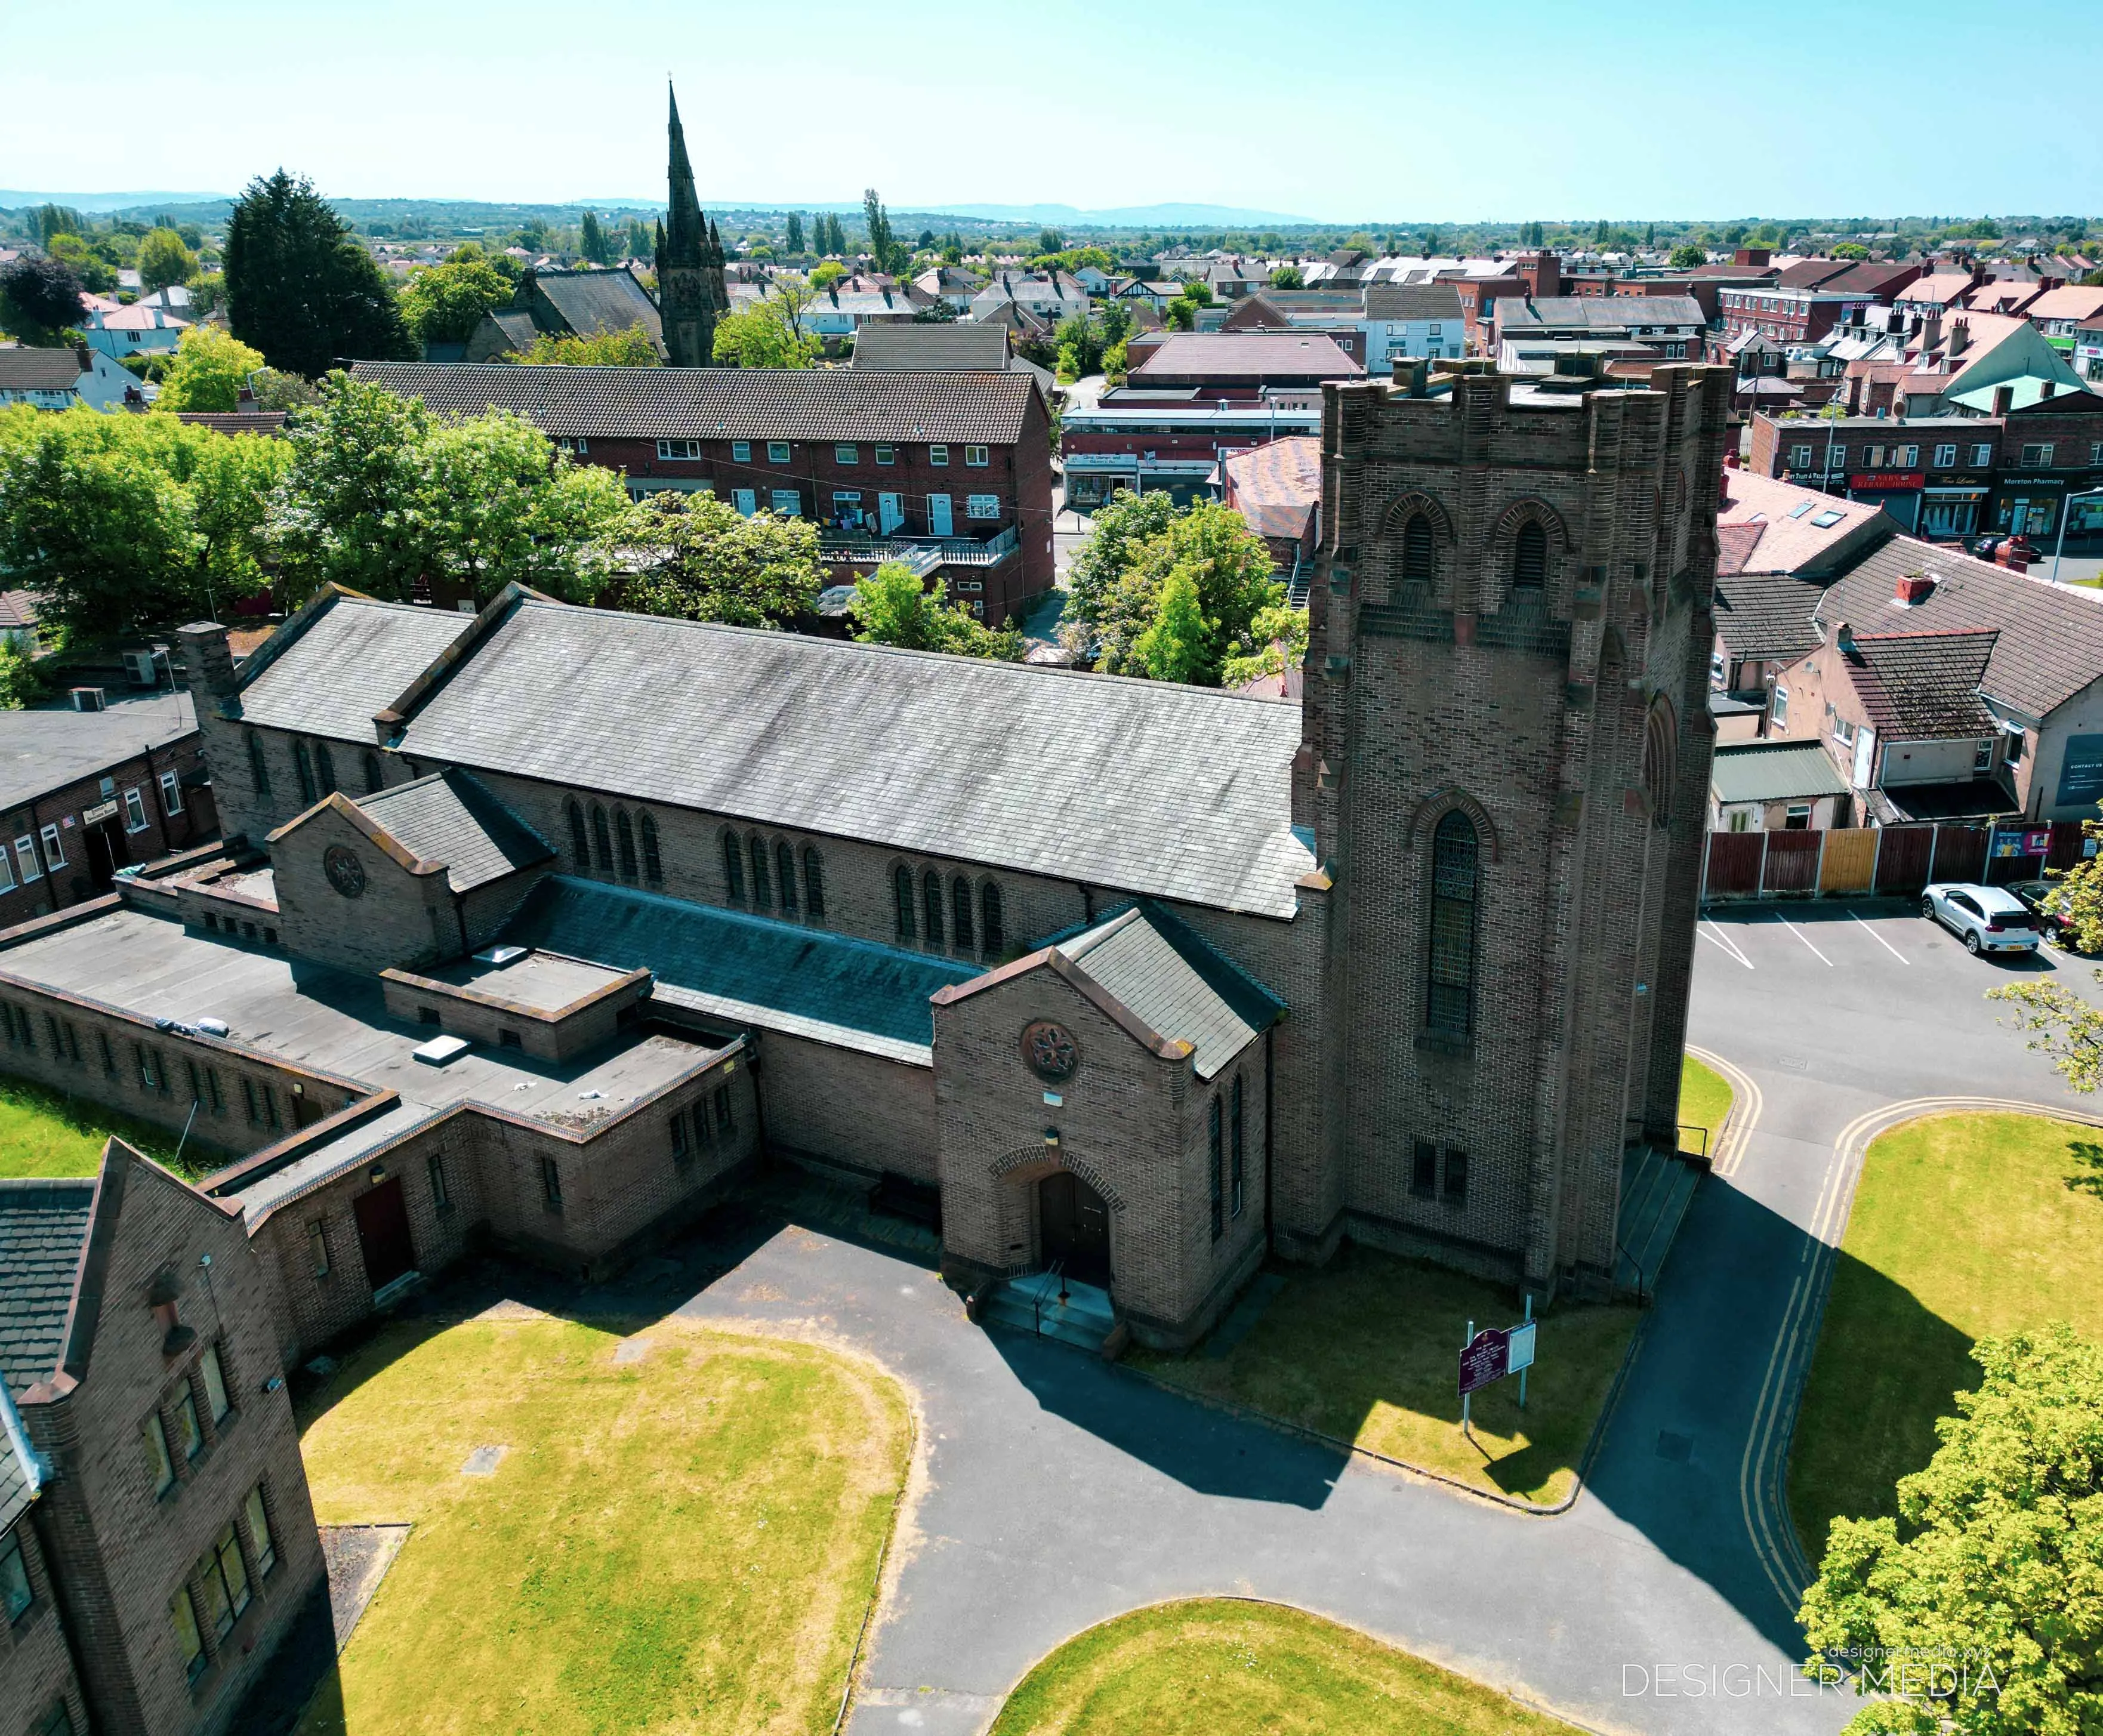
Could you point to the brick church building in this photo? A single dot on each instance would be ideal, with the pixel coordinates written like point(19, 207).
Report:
point(541, 925)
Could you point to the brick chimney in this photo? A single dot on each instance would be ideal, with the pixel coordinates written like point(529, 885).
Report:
point(1931, 332)
point(2004, 399)
point(1915, 588)
point(1843, 636)
point(1960, 336)
point(208, 663)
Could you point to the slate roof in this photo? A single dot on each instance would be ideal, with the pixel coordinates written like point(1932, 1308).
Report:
point(449, 817)
point(46, 747)
point(756, 403)
point(352, 657)
point(594, 302)
point(1412, 301)
point(516, 325)
point(43, 1228)
point(947, 344)
point(832, 988)
point(1773, 772)
point(1176, 984)
point(1248, 355)
point(1277, 485)
point(2049, 638)
point(1922, 685)
point(1612, 313)
point(1139, 786)
point(1767, 616)
point(26, 367)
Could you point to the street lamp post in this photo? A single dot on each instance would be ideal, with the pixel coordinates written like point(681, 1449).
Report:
point(2066, 512)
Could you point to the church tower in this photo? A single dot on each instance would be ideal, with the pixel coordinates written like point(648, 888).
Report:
point(1503, 770)
point(690, 264)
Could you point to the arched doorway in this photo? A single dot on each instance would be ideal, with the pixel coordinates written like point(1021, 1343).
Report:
point(1074, 1226)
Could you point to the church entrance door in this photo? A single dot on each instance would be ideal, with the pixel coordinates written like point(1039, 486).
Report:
point(1075, 1227)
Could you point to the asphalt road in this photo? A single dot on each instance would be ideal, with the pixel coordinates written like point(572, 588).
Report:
point(1052, 1491)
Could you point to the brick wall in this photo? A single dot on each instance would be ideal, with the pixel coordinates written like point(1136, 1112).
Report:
point(402, 916)
point(847, 1108)
point(36, 1667)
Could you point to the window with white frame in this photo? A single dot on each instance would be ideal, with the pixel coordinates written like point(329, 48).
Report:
point(978, 457)
point(6, 870)
point(1781, 705)
point(683, 449)
point(1873, 457)
point(1799, 457)
point(787, 503)
point(1906, 457)
point(938, 455)
point(55, 855)
point(741, 450)
point(981, 506)
point(777, 452)
point(887, 455)
point(843, 453)
point(2037, 452)
point(571, 443)
point(134, 812)
point(1982, 456)
point(172, 793)
point(1946, 456)
point(25, 853)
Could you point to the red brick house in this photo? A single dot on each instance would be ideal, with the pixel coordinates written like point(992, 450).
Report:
point(948, 471)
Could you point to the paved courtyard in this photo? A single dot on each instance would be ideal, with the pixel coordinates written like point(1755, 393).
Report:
point(1056, 1492)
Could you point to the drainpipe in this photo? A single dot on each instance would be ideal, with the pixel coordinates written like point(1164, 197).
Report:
point(1269, 1143)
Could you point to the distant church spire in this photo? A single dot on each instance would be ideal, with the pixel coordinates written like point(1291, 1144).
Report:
point(689, 263)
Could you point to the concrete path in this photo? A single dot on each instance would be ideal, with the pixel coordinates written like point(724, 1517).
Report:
point(1058, 1492)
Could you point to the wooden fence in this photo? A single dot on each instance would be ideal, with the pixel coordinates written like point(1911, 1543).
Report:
point(1888, 861)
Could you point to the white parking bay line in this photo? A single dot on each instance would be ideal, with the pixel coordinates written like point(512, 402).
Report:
point(1879, 939)
point(1710, 931)
point(1802, 936)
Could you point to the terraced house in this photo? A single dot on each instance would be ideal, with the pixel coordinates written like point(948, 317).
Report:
point(541, 926)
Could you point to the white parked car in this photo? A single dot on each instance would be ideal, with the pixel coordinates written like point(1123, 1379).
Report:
point(1987, 918)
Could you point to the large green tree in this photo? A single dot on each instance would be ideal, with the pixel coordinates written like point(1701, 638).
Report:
point(709, 562)
point(40, 299)
point(443, 304)
point(211, 367)
point(122, 523)
point(300, 287)
point(630, 347)
point(97, 274)
point(1980, 1608)
point(893, 607)
point(165, 258)
point(767, 334)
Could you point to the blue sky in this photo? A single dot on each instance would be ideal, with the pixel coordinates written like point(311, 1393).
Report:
point(1338, 109)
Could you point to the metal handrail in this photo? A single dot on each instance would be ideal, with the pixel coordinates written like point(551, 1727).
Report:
point(1036, 1303)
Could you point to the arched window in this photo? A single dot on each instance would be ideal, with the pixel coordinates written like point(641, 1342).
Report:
point(1419, 549)
point(579, 839)
point(992, 936)
point(762, 888)
point(1450, 991)
point(602, 840)
point(375, 779)
point(960, 914)
point(1530, 557)
point(1659, 753)
point(733, 857)
point(1215, 1169)
point(653, 863)
point(785, 875)
point(259, 766)
point(814, 884)
point(624, 829)
point(302, 763)
point(901, 899)
point(324, 768)
point(930, 905)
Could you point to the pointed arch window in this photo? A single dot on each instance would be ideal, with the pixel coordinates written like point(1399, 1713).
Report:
point(259, 766)
point(993, 935)
point(1530, 557)
point(375, 779)
point(762, 895)
point(814, 883)
point(653, 861)
point(1419, 549)
point(902, 899)
point(325, 769)
point(302, 764)
point(602, 840)
point(930, 905)
point(960, 914)
point(579, 839)
point(733, 856)
point(784, 875)
point(624, 828)
point(1449, 998)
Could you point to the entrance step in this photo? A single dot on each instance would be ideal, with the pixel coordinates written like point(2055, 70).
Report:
point(1656, 1187)
point(1054, 1307)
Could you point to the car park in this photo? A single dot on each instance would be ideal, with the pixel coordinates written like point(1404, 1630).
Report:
point(1987, 918)
point(2048, 900)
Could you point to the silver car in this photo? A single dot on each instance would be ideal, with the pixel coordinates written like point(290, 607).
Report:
point(1987, 918)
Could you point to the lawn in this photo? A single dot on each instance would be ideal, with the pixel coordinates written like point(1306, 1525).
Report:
point(1216, 1665)
point(686, 1542)
point(1705, 1099)
point(44, 1134)
point(1367, 1349)
point(1964, 1226)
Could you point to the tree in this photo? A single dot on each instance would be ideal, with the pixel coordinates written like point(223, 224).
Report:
point(348, 511)
point(163, 260)
point(121, 524)
point(1687, 256)
point(300, 287)
point(1978, 1609)
point(275, 390)
point(891, 606)
point(713, 563)
point(592, 241)
point(1288, 277)
point(1851, 249)
point(1279, 635)
point(443, 304)
point(211, 367)
point(767, 334)
point(793, 241)
point(1173, 647)
point(40, 299)
point(890, 254)
point(19, 683)
point(630, 347)
point(96, 274)
point(827, 273)
point(1050, 240)
point(1080, 347)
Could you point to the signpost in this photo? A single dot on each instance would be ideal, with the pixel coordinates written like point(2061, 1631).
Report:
point(1491, 1354)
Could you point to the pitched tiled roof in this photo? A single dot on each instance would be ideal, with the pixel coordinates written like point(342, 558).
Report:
point(2049, 638)
point(1813, 273)
point(1799, 530)
point(1599, 313)
point(1922, 684)
point(350, 658)
point(1256, 313)
point(1766, 616)
point(26, 368)
point(1175, 983)
point(594, 302)
point(756, 403)
point(449, 817)
point(1248, 355)
point(44, 1227)
point(945, 345)
point(1412, 301)
point(1277, 485)
point(1139, 786)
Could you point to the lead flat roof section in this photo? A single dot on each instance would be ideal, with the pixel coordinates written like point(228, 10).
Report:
point(47, 747)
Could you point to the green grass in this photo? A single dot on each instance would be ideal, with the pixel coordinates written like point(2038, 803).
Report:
point(1213, 1666)
point(1705, 1099)
point(1964, 1227)
point(44, 1134)
point(684, 1543)
point(1367, 1349)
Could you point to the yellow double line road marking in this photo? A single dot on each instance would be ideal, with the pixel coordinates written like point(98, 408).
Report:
point(1762, 1474)
point(1745, 1115)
